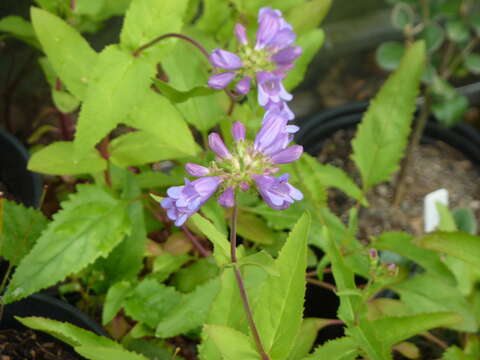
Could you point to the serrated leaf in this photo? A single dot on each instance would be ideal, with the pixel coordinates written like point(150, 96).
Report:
point(157, 116)
point(141, 25)
point(68, 333)
point(114, 300)
point(177, 96)
point(195, 274)
point(190, 312)
point(383, 133)
point(120, 83)
point(150, 302)
point(282, 297)
point(261, 259)
point(306, 337)
point(221, 245)
point(140, 147)
point(166, 264)
point(254, 228)
point(396, 329)
point(19, 28)
point(102, 353)
point(316, 10)
point(339, 349)
point(389, 55)
point(232, 344)
point(427, 293)
point(402, 244)
point(64, 101)
point(90, 224)
point(71, 56)
point(20, 227)
point(472, 62)
point(58, 159)
point(310, 43)
point(457, 244)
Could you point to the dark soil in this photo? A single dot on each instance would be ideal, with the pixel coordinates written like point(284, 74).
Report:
point(30, 345)
point(435, 166)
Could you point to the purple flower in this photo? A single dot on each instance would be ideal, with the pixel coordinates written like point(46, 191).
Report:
point(277, 192)
point(183, 201)
point(288, 155)
point(270, 88)
point(243, 86)
point(238, 131)
point(218, 146)
point(279, 108)
point(219, 81)
point(196, 170)
point(241, 34)
point(225, 60)
point(274, 135)
point(227, 199)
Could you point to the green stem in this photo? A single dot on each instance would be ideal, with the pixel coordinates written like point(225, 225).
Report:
point(241, 285)
point(414, 142)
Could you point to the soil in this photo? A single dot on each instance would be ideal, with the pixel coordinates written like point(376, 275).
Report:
point(432, 168)
point(30, 345)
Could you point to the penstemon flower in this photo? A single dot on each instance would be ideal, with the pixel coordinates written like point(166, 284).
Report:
point(246, 165)
point(266, 62)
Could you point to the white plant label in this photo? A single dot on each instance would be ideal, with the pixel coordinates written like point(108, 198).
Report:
point(431, 217)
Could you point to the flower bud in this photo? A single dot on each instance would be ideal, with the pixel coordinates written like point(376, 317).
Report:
point(218, 146)
point(227, 199)
point(219, 81)
point(196, 170)
point(238, 131)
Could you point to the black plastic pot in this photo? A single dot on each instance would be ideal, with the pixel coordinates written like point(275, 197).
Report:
point(23, 185)
point(49, 307)
point(316, 129)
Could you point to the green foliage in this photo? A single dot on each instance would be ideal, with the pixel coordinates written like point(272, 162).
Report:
point(434, 35)
point(383, 133)
point(402, 15)
point(90, 224)
point(281, 299)
point(465, 220)
point(197, 273)
point(71, 56)
point(457, 244)
point(114, 300)
point(21, 228)
point(472, 62)
point(317, 9)
point(232, 344)
point(19, 28)
point(101, 353)
point(58, 159)
point(389, 55)
point(166, 264)
point(339, 349)
point(190, 312)
point(255, 229)
point(177, 96)
point(306, 337)
point(121, 81)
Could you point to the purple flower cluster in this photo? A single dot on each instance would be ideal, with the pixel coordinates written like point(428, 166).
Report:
point(267, 62)
point(249, 163)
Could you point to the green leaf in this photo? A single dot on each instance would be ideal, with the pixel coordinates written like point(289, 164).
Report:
point(102, 353)
point(114, 300)
point(150, 302)
point(402, 15)
point(457, 244)
point(196, 274)
point(426, 293)
point(306, 337)
point(261, 259)
point(214, 15)
point(140, 147)
point(64, 101)
point(22, 227)
point(447, 222)
point(70, 55)
point(465, 220)
point(68, 333)
point(126, 260)
point(90, 224)
point(142, 25)
point(310, 43)
point(339, 349)
point(58, 159)
point(457, 31)
point(383, 133)
point(232, 344)
point(177, 96)
point(19, 28)
point(254, 228)
point(402, 244)
point(190, 312)
point(433, 35)
point(166, 264)
point(316, 10)
point(472, 62)
point(393, 330)
point(220, 243)
point(282, 296)
point(389, 55)
point(475, 22)
point(449, 111)
point(121, 82)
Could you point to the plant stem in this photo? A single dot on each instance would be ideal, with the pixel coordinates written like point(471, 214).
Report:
point(414, 141)
point(241, 285)
point(103, 147)
point(322, 284)
point(203, 252)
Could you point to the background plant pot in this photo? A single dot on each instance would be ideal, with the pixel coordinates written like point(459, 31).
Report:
point(316, 129)
point(49, 307)
point(15, 180)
